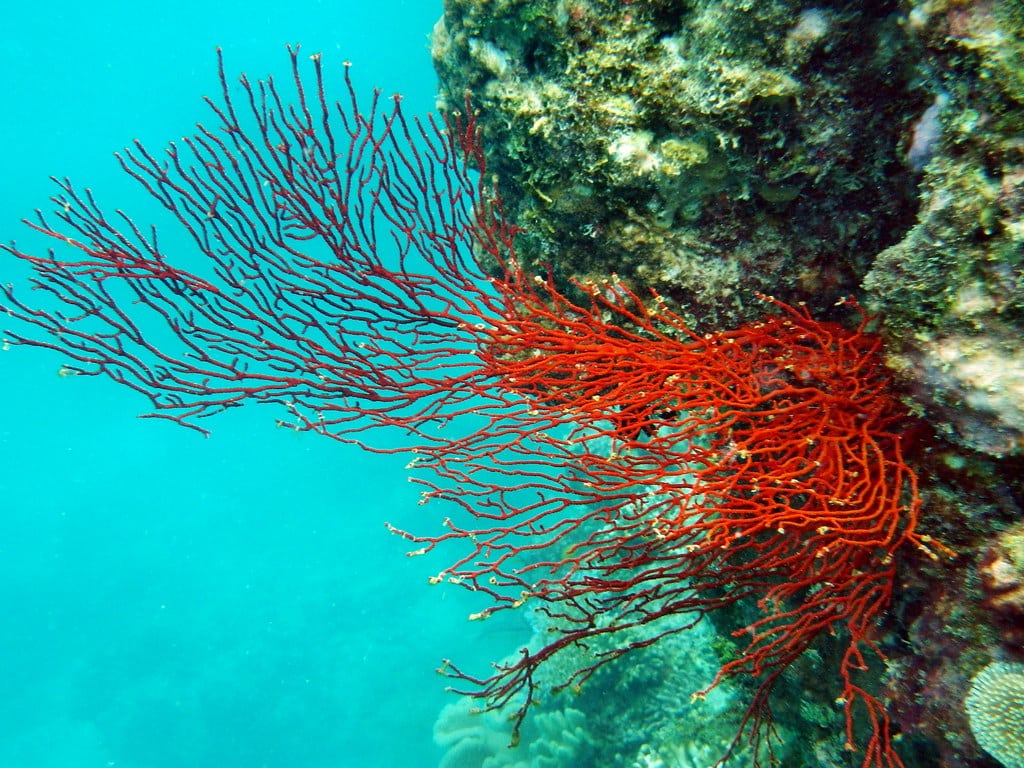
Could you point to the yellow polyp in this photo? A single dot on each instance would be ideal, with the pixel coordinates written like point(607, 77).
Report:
point(417, 552)
point(480, 615)
point(436, 579)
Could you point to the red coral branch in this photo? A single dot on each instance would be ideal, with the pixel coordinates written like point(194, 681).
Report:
point(601, 460)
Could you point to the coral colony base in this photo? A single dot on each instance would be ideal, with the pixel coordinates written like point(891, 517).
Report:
point(599, 461)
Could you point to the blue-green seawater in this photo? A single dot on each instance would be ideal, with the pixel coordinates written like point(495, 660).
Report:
point(170, 600)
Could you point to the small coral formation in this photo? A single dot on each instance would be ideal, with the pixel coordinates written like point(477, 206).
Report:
point(556, 738)
point(995, 706)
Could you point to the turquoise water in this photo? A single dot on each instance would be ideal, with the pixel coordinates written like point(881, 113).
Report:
point(172, 600)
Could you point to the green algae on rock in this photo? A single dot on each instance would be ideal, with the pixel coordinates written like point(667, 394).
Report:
point(711, 149)
point(708, 150)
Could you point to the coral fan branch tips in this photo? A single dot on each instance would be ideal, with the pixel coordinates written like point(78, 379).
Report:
point(596, 457)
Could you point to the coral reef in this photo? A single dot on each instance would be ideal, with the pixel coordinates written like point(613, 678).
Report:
point(637, 715)
point(555, 738)
point(762, 471)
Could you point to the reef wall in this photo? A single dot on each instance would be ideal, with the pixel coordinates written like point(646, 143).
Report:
point(710, 150)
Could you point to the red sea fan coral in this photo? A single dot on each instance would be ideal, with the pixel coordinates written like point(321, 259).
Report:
point(692, 472)
point(598, 459)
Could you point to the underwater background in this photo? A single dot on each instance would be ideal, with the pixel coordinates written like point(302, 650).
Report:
point(171, 600)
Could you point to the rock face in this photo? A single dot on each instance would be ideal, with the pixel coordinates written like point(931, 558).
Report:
point(952, 289)
point(709, 150)
point(705, 149)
